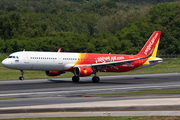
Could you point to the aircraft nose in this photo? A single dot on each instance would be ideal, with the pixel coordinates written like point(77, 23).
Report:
point(4, 63)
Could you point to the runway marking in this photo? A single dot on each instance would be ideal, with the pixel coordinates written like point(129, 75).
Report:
point(89, 90)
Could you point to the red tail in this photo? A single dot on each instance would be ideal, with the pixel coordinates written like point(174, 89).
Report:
point(151, 46)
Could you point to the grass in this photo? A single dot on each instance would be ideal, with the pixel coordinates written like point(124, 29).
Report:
point(169, 66)
point(105, 118)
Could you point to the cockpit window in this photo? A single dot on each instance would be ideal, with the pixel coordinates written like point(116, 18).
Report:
point(13, 57)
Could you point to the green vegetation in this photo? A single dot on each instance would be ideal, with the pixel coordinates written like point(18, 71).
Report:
point(98, 26)
point(148, 92)
point(105, 118)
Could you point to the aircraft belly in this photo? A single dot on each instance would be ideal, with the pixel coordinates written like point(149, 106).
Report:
point(21, 66)
point(38, 66)
point(47, 67)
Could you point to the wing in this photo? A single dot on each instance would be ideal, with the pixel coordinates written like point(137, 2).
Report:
point(103, 66)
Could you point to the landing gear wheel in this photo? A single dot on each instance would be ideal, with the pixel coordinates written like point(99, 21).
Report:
point(95, 79)
point(75, 78)
point(21, 78)
point(22, 73)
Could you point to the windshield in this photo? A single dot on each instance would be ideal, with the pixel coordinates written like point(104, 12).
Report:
point(13, 57)
point(10, 56)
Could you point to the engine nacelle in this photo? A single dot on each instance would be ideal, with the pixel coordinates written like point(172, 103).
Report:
point(83, 71)
point(53, 73)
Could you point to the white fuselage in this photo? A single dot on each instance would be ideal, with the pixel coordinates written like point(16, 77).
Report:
point(45, 61)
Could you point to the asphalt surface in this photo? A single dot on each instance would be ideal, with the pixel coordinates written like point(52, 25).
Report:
point(19, 95)
point(65, 87)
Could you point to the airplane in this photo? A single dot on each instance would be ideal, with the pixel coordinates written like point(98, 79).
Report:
point(84, 64)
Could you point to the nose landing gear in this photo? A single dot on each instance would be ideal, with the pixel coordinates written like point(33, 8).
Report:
point(22, 73)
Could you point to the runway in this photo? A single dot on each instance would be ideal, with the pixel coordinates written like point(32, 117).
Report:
point(17, 96)
point(65, 87)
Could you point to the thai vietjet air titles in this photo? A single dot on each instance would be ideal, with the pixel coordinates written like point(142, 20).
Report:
point(84, 64)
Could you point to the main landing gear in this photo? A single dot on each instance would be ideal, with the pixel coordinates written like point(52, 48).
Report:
point(95, 79)
point(75, 78)
point(22, 73)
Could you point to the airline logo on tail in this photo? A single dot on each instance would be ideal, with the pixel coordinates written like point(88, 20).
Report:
point(150, 44)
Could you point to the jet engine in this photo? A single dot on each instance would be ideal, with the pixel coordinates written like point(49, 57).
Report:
point(83, 71)
point(53, 73)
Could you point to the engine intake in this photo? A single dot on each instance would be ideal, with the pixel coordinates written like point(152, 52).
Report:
point(83, 71)
point(53, 73)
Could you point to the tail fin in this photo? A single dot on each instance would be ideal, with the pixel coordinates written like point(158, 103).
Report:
point(151, 46)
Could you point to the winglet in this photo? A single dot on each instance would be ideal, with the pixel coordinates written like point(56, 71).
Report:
point(151, 47)
point(59, 50)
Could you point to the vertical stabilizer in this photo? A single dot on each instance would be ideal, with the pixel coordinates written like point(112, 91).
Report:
point(151, 47)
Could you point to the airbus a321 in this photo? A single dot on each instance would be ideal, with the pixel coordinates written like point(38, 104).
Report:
point(84, 64)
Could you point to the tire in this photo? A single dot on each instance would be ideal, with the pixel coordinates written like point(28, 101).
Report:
point(21, 78)
point(95, 79)
point(75, 78)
